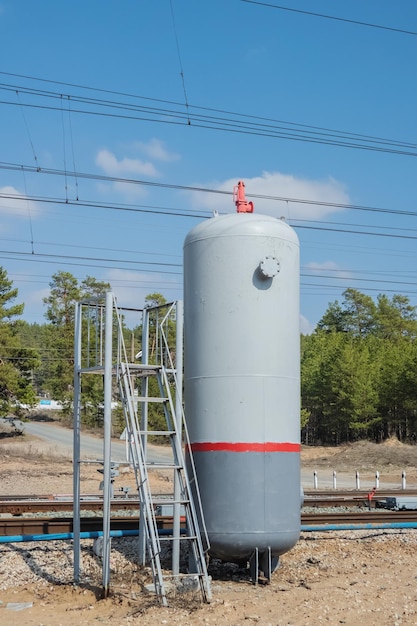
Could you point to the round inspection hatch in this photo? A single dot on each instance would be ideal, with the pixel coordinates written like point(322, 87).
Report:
point(269, 267)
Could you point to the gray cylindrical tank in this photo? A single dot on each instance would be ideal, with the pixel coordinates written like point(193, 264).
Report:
point(242, 396)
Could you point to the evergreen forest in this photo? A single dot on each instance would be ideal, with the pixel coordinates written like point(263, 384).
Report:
point(358, 367)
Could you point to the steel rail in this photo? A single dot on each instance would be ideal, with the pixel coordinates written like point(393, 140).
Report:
point(49, 525)
point(307, 493)
point(357, 493)
point(362, 517)
point(17, 505)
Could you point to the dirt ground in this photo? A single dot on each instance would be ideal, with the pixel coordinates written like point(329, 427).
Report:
point(349, 578)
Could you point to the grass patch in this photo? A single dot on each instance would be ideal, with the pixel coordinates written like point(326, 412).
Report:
point(29, 451)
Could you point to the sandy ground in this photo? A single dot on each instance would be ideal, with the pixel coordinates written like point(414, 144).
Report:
point(364, 577)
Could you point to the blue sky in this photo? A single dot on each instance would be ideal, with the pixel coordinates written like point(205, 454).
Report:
point(238, 72)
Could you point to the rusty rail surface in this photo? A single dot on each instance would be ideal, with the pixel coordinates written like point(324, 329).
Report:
point(49, 503)
point(38, 505)
point(14, 526)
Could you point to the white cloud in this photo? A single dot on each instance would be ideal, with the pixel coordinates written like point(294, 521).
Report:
point(130, 191)
point(128, 167)
point(278, 185)
point(15, 204)
point(124, 167)
point(155, 149)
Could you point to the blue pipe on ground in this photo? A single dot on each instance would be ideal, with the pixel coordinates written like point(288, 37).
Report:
point(367, 526)
point(86, 535)
point(168, 531)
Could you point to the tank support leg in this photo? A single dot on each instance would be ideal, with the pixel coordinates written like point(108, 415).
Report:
point(268, 563)
point(254, 566)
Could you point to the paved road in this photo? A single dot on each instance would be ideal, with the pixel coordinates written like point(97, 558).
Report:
point(60, 439)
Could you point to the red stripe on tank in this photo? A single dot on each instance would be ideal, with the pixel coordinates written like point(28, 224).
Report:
point(224, 446)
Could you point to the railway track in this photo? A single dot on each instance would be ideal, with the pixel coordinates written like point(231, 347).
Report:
point(332, 498)
point(14, 523)
point(59, 504)
point(48, 503)
point(14, 526)
point(49, 525)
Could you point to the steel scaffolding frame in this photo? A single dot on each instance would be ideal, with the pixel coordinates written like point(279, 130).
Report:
point(99, 348)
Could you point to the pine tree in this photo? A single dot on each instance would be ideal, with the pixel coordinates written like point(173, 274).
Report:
point(17, 362)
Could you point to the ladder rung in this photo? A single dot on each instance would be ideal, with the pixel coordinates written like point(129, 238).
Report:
point(179, 505)
point(163, 466)
point(183, 538)
point(150, 399)
point(181, 576)
point(180, 502)
point(142, 367)
point(170, 501)
point(156, 432)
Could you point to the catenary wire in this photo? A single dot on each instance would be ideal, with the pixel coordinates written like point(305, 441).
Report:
point(32, 258)
point(332, 17)
point(138, 208)
point(96, 259)
point(322, 203)
point(107, 178)
point(227, 126)
point(316, 134)
point(84, 247)
point(259, 123)
point(179, 58)
point(170, 102)
point(87, 261)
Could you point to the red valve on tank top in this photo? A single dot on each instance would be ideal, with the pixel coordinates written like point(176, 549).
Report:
point(239, 198)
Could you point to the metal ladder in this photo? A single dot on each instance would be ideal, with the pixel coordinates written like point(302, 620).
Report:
point(182, 501)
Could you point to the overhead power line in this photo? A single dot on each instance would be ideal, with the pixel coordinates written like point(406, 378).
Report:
point(154, 264)
point(363, 288)
point(333, 17)
point(294, 223)
point(84, 247)
point(356, 232)
point(138, 208)
point(333, 281)
point(87, 88)
point(179, 57)
point(86, 262)
point(191, 188)
point(356, 279)
point(204, 117)
point(178, 118)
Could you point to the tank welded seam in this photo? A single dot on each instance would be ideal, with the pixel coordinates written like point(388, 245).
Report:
point(254, 235)
point(225, 446)
point(261, 376)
